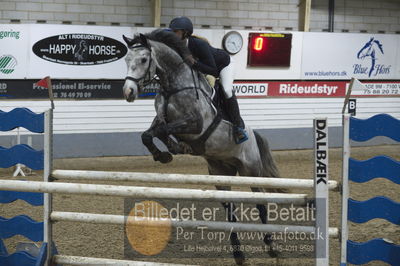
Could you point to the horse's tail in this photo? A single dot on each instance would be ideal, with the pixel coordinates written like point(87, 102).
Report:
point(269, 168)
point(268, 163)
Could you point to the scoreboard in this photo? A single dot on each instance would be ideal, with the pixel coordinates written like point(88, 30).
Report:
point(269, 49)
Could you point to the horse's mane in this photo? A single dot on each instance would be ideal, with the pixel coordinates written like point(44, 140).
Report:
point(171, 40)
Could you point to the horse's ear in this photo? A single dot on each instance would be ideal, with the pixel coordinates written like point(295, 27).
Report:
point(128, 41)
point(143, 40)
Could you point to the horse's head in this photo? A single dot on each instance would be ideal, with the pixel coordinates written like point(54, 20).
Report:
point(141, 67)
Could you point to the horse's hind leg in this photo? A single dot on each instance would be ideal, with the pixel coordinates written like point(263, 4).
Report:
point(263, 217)
point(252, 170)
point(219, 168)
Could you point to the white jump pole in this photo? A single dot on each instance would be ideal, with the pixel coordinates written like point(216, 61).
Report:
point(345, 188)
point(48, 197)
point(18, 168)
point(215, 180)
point(207, 225)
point(76, 260)
point(154, 192)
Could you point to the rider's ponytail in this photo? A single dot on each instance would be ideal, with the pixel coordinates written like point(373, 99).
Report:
point(201, 38)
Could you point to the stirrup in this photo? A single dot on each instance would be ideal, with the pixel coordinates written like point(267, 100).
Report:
point(240, 135)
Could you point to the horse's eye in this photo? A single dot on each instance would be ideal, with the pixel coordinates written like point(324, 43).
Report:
point(144, 60)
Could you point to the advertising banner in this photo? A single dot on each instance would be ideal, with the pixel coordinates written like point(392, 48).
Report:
point(14, 51)
point(250, 88)
point(306, 89)
point(377, 89)
point(311, 89)
point(112, 89)
point(87, 62)
point(70, 89)
point(344, 55)
point(77, 52)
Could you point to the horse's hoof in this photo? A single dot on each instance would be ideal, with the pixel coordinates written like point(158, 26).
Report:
point(239, 257)
point(163, 157)
point(273, 253)
point(268, 240)
point(185, 148)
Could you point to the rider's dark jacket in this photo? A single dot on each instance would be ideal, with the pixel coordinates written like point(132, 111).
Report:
point(210, 60)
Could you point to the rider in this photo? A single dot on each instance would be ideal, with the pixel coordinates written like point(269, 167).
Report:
point(215, 62)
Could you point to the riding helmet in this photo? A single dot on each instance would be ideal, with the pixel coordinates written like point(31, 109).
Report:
point(182, 23)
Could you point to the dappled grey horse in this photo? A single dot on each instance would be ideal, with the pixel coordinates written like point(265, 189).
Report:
point(187, 121)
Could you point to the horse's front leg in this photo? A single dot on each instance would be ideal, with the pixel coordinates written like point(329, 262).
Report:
point(158, 130)
point(191, 123)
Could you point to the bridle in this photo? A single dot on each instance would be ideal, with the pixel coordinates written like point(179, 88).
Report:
point(147, 73)
point(165, 93)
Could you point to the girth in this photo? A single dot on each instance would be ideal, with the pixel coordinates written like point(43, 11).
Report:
point(198, 145)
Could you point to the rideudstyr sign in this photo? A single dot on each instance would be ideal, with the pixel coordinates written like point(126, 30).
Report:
point(289, 88)
point(259, 89)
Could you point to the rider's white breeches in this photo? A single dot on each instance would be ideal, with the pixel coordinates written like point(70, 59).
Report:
point(226, 76)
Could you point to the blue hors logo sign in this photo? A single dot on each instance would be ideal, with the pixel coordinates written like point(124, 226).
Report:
point(79, 49)
point(371, 51)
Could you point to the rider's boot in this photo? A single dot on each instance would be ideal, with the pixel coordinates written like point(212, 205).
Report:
point(239, 132)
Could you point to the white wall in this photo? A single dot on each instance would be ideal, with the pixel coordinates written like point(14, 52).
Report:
point(261, 113)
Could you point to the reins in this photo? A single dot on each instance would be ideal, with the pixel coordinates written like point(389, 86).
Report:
point(166, 93)
point(137, 80)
